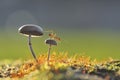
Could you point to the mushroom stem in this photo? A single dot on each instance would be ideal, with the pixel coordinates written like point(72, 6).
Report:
point(49, 53)
point(31, 49)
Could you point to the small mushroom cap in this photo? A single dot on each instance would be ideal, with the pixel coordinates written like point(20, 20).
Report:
point(50, 42)
point(31, 29)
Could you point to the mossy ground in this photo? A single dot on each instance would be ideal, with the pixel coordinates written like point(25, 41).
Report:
point(61, 67)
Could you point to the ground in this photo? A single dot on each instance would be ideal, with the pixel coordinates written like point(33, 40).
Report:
point(61, 67)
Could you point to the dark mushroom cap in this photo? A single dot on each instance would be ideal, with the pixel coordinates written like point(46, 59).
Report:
point(50, 42)
point(31, 29)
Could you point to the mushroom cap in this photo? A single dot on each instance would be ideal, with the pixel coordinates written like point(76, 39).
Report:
point(31, 29)
point(51, 42)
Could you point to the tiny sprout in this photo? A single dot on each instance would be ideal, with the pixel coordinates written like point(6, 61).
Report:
point(31, 30)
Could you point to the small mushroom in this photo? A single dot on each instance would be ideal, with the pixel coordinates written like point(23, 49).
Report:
point(50, 42)
point(31, 30)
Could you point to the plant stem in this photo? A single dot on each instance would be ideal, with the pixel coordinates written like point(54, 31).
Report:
point(31, 49)
point(49, 53)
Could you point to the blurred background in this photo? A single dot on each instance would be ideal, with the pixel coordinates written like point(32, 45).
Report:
point(86, 27)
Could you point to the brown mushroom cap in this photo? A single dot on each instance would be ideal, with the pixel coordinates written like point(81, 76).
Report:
point(31, 29)
point(50, 42)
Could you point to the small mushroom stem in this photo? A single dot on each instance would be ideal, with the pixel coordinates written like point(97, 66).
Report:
point(49, 53)
point(31, 49)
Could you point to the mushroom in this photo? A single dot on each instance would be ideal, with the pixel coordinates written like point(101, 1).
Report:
point(50, 42)
point(31, 30)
